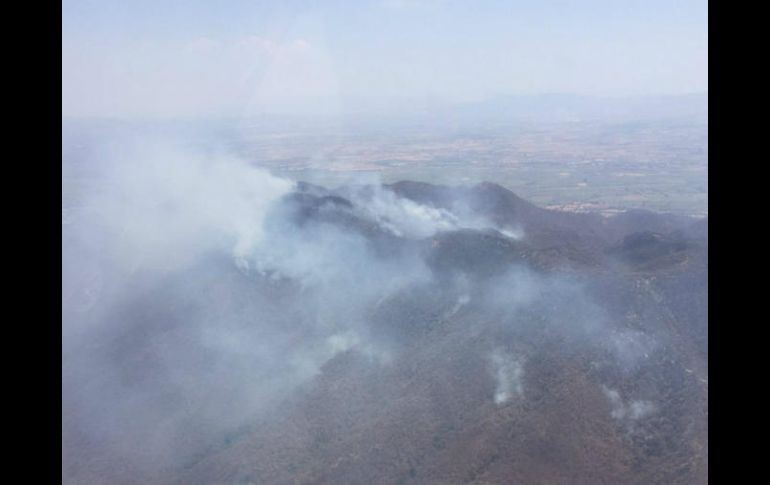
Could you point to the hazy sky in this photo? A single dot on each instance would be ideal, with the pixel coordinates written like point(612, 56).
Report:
point(202, 58)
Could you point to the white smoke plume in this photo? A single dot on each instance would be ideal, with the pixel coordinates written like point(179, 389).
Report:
point(165, 201)
point(406, 218)
point(508, 372)
point(403, 217)
point(147, 253)
point(627, 411)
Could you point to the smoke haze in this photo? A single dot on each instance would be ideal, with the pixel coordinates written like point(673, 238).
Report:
point(204, 298)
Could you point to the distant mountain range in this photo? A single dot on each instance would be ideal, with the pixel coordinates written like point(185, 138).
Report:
point(542, 108)
point(568, 107)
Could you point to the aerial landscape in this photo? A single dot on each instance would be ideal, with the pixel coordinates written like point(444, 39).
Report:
point(356, 262)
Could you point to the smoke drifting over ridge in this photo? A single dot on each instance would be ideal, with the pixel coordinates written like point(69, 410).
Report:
point(200, 293)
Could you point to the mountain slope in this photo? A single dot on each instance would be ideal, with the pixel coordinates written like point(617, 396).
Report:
point(401, 334)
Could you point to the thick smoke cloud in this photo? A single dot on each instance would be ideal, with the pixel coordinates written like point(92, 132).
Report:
point(163, 201)
point(238, 305)
point(200, 292)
